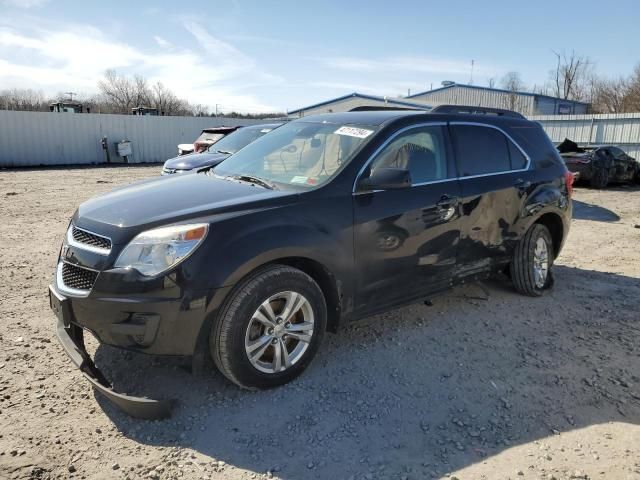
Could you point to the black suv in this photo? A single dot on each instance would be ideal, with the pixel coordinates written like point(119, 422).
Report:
point(325, 220)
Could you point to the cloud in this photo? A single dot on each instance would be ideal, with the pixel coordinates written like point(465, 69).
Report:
point(46, 57)
point(404, 64)
point(23, 3)
point(162, 42)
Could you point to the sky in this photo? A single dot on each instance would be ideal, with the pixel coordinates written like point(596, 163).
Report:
point(281, 55)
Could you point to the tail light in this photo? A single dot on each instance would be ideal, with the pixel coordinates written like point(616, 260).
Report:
point(568, 181)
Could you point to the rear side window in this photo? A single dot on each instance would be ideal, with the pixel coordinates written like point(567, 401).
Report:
point(518, 160)
point(484, 150)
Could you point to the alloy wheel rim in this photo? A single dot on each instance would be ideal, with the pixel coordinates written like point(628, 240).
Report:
point(540, 263)
point(279, 332)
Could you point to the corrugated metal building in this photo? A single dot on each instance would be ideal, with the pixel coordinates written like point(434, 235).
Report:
point(524, 102)
point(353, 100)
point(454, 94)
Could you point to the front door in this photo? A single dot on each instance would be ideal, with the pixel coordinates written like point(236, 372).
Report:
point(406, 240)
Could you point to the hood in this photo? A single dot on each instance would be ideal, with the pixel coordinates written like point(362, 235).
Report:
point(195, 160)
point(165, 200)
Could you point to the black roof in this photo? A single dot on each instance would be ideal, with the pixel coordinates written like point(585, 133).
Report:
point(376, 118)
point(373, 117)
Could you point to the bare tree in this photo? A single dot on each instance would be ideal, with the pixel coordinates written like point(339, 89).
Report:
point(512, 82)
point(571, 77)
point(167, 102)
point(23, 99)
point(633, 91)
point(119, 91)
point(120, 94)
point(200, 110)
point(610, 96)
point(143, 94)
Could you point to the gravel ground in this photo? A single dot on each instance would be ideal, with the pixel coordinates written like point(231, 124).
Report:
point(484, 384)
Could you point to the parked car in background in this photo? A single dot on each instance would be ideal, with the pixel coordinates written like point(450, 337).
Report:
point(599, 165)
point(325, 220)
point(208, 137)
point(219, 151)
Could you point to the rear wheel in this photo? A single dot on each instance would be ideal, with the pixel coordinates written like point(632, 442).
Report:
point(532, 260)
point(270, 329)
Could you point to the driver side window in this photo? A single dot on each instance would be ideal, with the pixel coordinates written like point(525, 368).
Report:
point(420, 150)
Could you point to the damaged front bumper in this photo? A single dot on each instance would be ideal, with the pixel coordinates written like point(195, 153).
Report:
point(71, 338)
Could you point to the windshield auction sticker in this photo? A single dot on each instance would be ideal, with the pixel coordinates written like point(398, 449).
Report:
point(354, 132)
point(299, 179)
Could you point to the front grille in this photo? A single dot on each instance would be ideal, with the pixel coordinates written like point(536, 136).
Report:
point(77, 277)
point(91, 239)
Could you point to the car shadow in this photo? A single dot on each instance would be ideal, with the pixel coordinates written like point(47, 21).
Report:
point(418, 392)
point(590, 211)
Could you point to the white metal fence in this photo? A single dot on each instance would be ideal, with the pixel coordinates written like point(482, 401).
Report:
point(30, 139)
point(619, 129)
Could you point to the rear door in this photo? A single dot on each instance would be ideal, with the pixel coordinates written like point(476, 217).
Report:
point(495, 182)
point(406, 240)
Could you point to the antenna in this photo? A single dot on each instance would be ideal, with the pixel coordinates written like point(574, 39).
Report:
point(471, 79)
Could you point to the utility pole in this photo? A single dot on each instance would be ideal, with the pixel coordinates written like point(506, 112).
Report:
point(471, 79)
point(71, 94)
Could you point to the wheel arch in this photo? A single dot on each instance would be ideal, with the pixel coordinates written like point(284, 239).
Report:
point(331, 289)
point(554, 224)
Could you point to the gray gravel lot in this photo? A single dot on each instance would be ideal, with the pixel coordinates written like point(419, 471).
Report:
point(484, 384)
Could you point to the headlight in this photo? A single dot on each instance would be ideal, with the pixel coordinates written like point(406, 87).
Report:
point(155, 251)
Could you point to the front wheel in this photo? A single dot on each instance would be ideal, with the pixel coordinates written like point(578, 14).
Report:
point(270, 329)
point(532, 260)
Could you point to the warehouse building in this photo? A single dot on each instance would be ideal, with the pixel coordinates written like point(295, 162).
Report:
point(524, 102)
point(454, 94)
point(353, 100)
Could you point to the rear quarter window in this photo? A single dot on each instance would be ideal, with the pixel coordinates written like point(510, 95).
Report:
point(481, 150)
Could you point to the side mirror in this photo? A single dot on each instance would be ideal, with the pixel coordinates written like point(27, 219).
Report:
point(386, 179)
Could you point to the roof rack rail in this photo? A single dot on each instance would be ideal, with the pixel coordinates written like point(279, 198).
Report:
point(373, 108)
point(500, 112)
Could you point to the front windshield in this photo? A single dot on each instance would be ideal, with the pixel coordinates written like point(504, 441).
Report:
point(302, 154)
point(239, 139)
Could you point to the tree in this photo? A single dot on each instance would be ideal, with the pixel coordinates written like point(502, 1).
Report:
point(610, 96)
point(571, 77)
point(120, 93)
point(633, 91)
point(512, 82)
point(23, 99)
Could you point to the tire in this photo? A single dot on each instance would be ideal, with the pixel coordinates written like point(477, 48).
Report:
point(522, 268)
point(242, 324)
point(600, 178)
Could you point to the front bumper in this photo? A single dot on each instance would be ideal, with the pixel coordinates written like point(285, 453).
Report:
point(71, 338)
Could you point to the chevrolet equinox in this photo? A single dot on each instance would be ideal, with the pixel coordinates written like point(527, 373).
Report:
point(322, 221)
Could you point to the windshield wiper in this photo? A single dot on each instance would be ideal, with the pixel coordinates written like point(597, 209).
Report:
point(224, 152)
point(255, 180)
